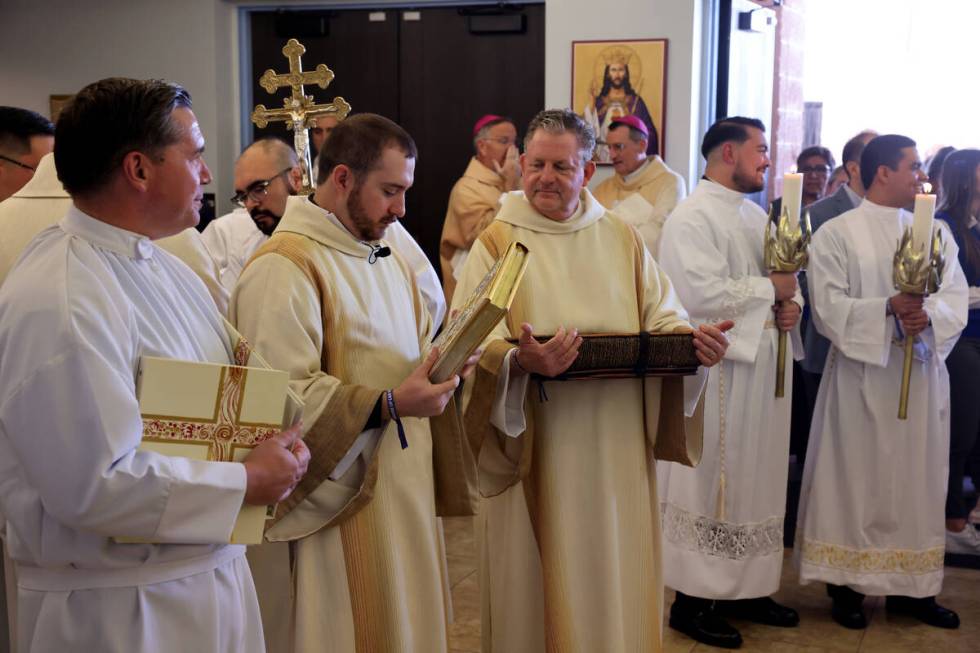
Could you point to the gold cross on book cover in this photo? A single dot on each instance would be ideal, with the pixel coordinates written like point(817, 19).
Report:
point(215, 412)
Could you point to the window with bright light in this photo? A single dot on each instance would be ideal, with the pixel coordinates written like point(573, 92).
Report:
point(896, 66)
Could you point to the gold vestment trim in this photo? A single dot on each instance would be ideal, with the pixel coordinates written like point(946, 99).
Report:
point(873, 561)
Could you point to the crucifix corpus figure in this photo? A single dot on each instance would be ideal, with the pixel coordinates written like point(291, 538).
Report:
point(299, 111)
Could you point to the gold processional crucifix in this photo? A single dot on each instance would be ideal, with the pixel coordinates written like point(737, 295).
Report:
point(298, 110)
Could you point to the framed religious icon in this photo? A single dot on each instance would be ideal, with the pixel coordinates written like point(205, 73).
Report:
point(612, 79)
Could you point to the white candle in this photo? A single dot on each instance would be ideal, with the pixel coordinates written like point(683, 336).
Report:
point(792, 195)
point(925, 207)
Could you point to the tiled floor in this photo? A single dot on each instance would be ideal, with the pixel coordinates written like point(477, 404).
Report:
point(817, 632)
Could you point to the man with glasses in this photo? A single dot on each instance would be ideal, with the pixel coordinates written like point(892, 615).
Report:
point(644, 190)
point(25, 137)
point(266, 174)
point(475, 199)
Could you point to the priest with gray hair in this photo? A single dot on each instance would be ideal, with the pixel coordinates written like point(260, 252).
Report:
point(570, 525)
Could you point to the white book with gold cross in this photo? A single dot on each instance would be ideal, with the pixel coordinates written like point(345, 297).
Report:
point(209, 411)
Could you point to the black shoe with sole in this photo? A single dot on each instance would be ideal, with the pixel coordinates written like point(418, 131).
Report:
point(762, 610)
point(847, 610)
point(925, 610)
point(695, 618)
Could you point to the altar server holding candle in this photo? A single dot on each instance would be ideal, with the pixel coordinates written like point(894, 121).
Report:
point(723, 520)
point(871, 510)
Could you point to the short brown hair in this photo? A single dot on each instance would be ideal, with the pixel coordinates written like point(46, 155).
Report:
point(109, 119)
point(359, 142)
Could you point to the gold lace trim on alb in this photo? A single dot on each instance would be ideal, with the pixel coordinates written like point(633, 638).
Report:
point(873, 561)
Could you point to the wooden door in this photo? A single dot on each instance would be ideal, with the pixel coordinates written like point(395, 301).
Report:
point(424, 69)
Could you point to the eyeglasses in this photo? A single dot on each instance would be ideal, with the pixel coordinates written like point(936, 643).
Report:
point(18, 163)
point(816, 170)
point(256, 191)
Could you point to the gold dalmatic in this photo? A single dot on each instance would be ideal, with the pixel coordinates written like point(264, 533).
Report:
point(299, 111)
point(785, 251)
point(916, 273)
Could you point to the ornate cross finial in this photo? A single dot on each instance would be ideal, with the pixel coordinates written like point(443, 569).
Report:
point(299, 111)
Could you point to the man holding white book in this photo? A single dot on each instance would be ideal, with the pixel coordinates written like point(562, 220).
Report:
point(88, 299)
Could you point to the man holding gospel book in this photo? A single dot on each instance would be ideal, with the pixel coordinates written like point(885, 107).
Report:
point(570, 522)
point(330, 302)
point(88, 299)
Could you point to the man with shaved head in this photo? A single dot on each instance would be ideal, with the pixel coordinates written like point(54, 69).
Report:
point(266, 173)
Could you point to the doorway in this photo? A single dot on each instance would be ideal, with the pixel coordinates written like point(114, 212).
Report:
point(434, 71)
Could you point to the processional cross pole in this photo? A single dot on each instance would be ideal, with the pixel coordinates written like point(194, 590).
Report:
point(299, 111)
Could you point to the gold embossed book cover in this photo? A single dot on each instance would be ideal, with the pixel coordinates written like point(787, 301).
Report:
point(485, 308)
point(209, 411)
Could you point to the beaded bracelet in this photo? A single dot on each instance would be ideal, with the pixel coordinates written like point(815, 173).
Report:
point(517, 362)
point(393, 414)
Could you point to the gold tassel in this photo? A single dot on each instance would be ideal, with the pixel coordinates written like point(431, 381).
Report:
point(720, 509)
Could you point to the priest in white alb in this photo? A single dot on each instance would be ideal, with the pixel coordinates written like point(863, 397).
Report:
point(872, 515)
point(723, 522)
point(87, 299)
point(328, 300)
point(569, 530)
point(42, 202)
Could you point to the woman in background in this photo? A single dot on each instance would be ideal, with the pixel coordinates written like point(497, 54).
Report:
point(959, 207)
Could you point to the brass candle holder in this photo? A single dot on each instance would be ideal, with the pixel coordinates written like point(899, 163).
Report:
point(915, 273)
point(785, 251)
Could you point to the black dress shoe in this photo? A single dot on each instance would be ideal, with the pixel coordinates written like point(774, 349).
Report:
point(925, 610)
point(700, 623)
point(847, 610)
point(761, 610)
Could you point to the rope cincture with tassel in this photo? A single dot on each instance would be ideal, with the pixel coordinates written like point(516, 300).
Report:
point(722, 408)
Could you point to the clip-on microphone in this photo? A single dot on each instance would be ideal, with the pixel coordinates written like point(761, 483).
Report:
point(377, 251)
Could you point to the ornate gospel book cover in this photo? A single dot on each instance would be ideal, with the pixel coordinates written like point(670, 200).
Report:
point(484, 309)
point(208, 411)
point(625, 355)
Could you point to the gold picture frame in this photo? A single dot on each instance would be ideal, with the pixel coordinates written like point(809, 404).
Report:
point(57, 103)
point(615, 78)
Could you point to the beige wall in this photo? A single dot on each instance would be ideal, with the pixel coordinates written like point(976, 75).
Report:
point(195, 43)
